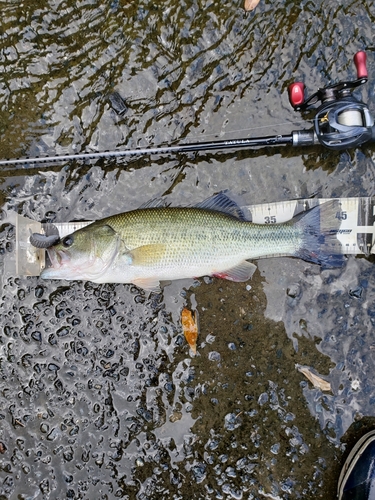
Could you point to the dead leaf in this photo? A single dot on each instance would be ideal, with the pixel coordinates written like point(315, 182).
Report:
point(250, 5)
point(316, 381)
point(190, 328)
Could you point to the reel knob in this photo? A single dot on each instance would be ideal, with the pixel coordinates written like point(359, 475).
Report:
point(360, 64)
point(296, 94)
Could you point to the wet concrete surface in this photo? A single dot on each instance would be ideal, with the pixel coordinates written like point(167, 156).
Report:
point(227, 423)
point(100, 396)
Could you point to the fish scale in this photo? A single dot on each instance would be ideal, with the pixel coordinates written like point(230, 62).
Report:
point(200, 235)
point(150, 245)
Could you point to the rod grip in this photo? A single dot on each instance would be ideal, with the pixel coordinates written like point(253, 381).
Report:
point(360, 64)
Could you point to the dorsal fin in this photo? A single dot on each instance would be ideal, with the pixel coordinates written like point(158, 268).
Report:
point(155, 203)
point(222, 203)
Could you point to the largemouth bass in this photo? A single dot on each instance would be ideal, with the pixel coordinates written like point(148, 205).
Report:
point(154, 244)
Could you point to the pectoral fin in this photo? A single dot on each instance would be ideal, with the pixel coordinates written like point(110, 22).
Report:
point(147, 255)
point(241, 272)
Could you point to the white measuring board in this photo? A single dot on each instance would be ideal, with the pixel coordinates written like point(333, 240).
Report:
point(355, 233)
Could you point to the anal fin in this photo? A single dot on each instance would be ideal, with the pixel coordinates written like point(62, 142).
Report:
point(148, 284)
point(241, 272)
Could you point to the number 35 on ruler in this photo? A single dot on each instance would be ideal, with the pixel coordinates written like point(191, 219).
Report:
point(270, 219)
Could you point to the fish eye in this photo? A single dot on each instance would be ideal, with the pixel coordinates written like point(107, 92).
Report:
point(67, 241)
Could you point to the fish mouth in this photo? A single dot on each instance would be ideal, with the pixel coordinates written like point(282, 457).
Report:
point(76, 265)
point(63, 266)
point(57, 257)
point(57, 260)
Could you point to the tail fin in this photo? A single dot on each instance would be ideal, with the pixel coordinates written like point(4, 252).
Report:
point(320, 244)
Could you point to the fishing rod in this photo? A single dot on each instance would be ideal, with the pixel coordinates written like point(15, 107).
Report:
point(341, 122)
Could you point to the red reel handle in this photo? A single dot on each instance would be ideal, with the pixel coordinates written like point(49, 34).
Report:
point(360, 64)
point(296, 94)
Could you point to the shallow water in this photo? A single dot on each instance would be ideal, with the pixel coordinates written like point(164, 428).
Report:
point(100, 397)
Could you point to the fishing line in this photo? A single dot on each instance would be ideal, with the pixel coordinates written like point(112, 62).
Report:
point(250, 129)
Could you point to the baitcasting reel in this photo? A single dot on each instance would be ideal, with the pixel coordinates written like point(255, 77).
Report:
point(341, 121)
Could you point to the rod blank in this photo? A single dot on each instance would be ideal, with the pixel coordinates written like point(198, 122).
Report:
point(180, 148)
